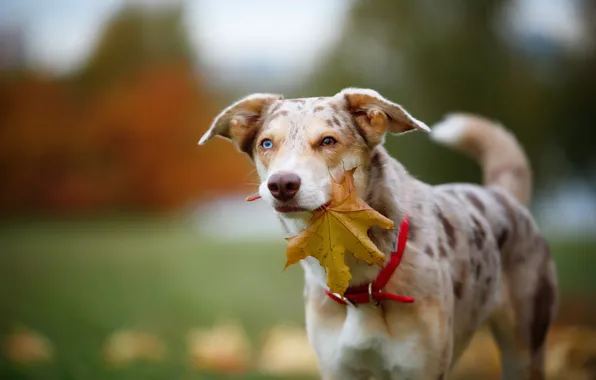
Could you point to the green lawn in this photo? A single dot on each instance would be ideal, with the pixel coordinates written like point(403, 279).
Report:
point(76, 282)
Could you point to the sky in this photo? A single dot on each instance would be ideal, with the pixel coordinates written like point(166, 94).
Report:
point(555, 20)
point(59, 34)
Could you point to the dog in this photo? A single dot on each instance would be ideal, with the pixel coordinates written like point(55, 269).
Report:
point(474, 254)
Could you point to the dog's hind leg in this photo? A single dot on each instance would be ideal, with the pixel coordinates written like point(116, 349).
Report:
point(516, 361)
point(525, 312)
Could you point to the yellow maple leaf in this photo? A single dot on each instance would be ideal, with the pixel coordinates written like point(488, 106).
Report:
point(342, 226)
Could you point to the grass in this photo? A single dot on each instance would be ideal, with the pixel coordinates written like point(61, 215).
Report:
point(78, 281)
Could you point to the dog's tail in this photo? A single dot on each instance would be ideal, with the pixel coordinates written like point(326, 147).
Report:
point(503, 160)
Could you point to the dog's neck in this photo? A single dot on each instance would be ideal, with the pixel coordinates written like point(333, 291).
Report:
point(388, 184)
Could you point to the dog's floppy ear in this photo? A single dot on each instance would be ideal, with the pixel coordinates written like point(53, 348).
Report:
point(241, 121)
point(375, 115)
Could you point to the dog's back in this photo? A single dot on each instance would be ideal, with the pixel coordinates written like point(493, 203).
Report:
point(490, 225)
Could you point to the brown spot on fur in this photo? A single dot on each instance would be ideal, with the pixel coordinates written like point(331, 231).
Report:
point(360, 122)
point(412, 230)
point(476, 201)
point(376, 160)
point(319, 108)
point(543, 305)
point(375, 173)
point(300, 101)
point(519, 259)
point(248, 145)
point(336, 121)
point(247, 134)
point(479, 233)
point(442, 251)
point(509, 210)
point(458, 289)
point(429, 251)
point(483, 296)
point(502, 238)
point(329, 123)
point(277, 114)
point(447, 227)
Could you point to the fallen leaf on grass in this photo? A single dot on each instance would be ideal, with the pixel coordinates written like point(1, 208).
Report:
point(571, 353)
point(339, 227)
point(27, 347)
point(286, 352)
point(224, 348)
point(127, 346)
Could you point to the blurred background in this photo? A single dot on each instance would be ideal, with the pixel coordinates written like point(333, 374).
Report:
point(128, 252)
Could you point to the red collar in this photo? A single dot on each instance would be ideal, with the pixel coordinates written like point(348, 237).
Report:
point(373, 291)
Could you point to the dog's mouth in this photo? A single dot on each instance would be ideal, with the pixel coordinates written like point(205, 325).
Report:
point(286, 209)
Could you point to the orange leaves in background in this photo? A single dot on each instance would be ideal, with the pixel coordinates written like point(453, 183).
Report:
point(130, 145)
point(27, 347)
point(120, 133)
point(125, 347)
point(342, 226)
point(225, 348)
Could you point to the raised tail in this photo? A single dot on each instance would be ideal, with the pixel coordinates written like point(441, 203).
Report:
point(503, 160)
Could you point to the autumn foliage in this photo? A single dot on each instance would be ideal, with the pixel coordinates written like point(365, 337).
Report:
point(119, 134)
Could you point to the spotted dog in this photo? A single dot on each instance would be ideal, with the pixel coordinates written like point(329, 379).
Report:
point(474, 254)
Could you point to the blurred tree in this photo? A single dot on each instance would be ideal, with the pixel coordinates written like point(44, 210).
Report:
point(149, 109)
point(122, 133)
point(436, 58)
point(574, 100)
point(134, 37)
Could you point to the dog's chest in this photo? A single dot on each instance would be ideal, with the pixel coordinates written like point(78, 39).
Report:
point(362, 345)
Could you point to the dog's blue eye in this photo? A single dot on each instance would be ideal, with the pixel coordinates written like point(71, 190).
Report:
point(328, 141)
point(267, 144)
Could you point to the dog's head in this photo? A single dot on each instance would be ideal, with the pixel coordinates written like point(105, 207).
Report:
point(296, 144)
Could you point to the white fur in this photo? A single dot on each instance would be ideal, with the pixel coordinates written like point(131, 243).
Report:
point(450, 130)
point(343, 349)
point(315, 188)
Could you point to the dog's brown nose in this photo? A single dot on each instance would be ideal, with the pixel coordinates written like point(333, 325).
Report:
point(283, 185)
